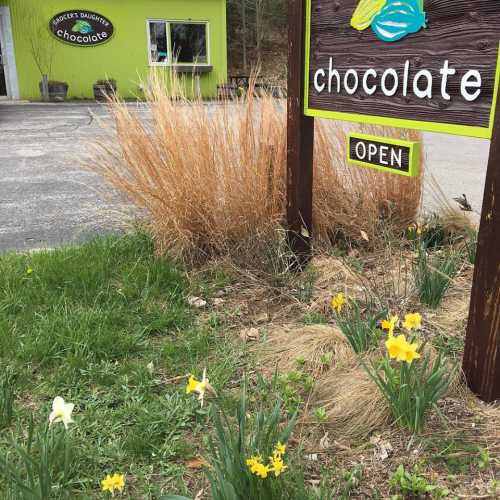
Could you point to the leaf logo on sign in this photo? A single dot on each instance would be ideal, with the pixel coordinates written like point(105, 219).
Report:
point(390, 20)
point(82, 27)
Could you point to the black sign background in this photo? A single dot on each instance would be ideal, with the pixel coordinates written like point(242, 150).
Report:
point(81, 27)
point(405, 153)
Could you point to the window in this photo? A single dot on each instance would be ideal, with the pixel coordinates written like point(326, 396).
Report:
point(177, 42)
point(158, 43)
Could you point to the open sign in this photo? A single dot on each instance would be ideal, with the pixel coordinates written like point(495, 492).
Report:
point(385, 154)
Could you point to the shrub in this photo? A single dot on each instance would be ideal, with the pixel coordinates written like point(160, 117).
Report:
point(210, 179)
point(433, 274)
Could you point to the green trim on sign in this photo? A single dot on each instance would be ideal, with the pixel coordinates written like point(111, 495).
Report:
point(413, 160)
point(445, 128)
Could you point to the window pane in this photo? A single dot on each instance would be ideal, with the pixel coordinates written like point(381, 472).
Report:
point(158, 41)
point(189, 42)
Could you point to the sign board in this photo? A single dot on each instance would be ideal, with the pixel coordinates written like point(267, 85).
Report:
point(81, 27)
point(421, 64)
point(384, 154)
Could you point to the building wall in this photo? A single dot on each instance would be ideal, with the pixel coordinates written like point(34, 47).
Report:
point(125, 57)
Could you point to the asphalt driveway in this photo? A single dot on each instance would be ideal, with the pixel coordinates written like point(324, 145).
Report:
point(47, 198)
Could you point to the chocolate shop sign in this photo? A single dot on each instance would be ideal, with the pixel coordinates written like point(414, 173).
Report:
point(82, 28)
point(422, 64)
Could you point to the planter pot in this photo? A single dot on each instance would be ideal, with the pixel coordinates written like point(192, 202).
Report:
point(104, 89)
point(58, 91)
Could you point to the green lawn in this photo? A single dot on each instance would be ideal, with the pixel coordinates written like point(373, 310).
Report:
point(84, 323)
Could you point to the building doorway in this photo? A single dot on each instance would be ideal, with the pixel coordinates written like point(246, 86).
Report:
point(9, 87)
point(3, 81)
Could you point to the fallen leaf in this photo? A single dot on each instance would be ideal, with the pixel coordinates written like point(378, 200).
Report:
point(218, 301)
point(364, 235)
point(324, 442)
point(196, 302)
point(250, 335)
point(304, 232)
point(313, 457)
point(196, 463)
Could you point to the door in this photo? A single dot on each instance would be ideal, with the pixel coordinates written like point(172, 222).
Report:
point(9, 85)
point(3, 81)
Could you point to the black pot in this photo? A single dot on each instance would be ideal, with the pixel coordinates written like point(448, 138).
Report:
point(104, 89)
point(58, 91)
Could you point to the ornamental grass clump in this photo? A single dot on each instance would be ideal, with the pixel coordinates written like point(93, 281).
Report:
point(209, 180)
point(410, 378)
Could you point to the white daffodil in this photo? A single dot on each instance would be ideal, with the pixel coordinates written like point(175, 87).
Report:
point(61, 412)
point(202, 387)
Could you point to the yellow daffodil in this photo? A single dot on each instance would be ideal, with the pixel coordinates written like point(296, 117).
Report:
point(396, 347)
point(61, 412)
point(192, 385)
point(200, 388)
point(257, 467)
point(338, 302)
point(413, 321)
point(410, 353)
point(390, 324)
point(279, 449)
point(112, 483)
point(29, 270)
point(277, 465)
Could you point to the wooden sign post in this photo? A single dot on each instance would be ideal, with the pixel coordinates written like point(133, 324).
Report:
point(420, 64)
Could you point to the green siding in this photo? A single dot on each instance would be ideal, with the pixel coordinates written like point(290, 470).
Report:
point(125, 56)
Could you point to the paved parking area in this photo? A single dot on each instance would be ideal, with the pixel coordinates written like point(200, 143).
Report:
point(47, 198)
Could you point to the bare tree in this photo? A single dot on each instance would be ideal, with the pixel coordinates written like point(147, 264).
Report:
point(41, 42)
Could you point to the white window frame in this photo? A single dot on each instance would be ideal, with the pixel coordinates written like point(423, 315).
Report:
point(169, 61)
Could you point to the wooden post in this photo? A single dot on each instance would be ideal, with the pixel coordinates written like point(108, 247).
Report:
point(300, 140)
point(481, 363)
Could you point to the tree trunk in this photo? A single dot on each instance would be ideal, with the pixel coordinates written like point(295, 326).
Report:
point(259, 28)
point(244, 27)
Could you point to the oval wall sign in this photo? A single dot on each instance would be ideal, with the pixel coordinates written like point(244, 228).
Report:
point(81, 27)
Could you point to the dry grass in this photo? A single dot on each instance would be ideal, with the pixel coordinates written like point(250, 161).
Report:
point(307, 343)
point(210, 179)
point(353, 404)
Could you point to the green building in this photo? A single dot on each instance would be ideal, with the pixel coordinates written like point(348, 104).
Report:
point(82, 41)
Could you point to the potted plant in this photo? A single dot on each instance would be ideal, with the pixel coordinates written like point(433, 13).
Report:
point(56, 91)
point(104, 88)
